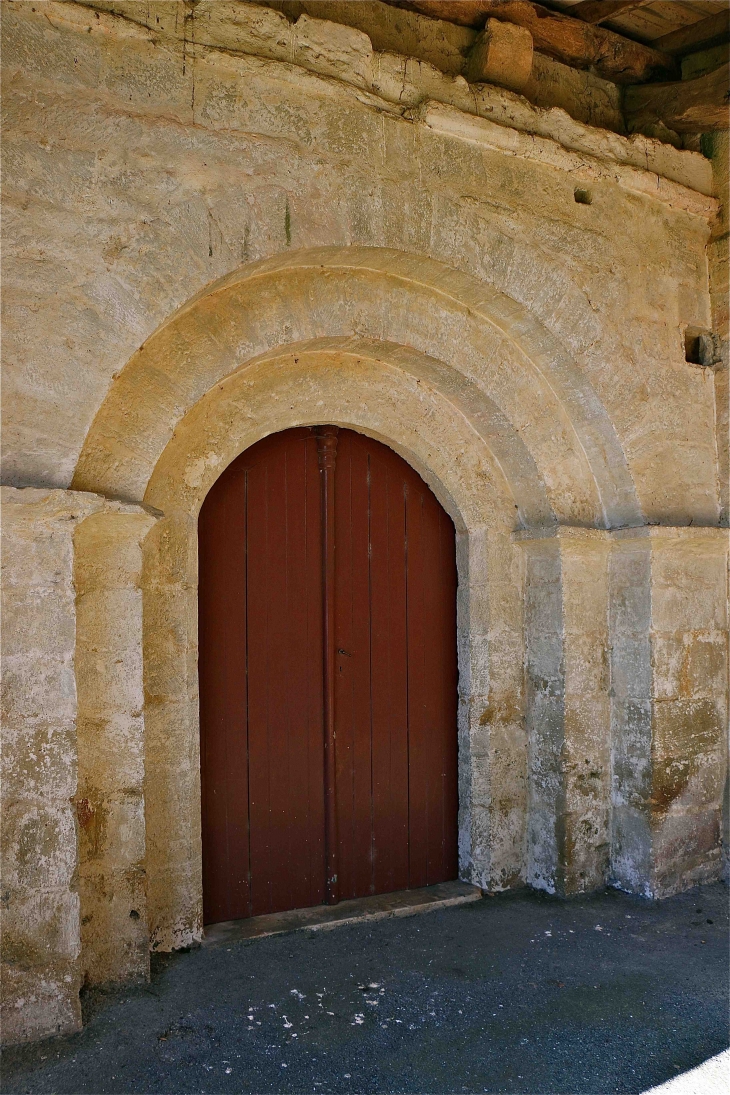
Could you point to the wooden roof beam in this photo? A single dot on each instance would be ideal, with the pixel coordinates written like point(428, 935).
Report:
point(692, 106)
point(572, 41)
point(599, 11)
point(697, 36)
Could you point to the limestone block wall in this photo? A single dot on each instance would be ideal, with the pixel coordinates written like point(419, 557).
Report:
point(567, 708)
point(40, 901)
point(110, 740)
point(276, 223)
point(44, 734)
point(669, 670)
point(151, 166)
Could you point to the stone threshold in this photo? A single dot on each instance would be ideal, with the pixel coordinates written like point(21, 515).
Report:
point(356, 911)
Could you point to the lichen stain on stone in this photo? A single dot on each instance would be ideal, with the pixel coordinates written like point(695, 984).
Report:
point(92, 821)
point(588, 783)
point(507, 709)
point(21, 952)
point(85, 812)
point(671, 782)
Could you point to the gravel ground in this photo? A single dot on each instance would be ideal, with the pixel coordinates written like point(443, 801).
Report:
point(520, 993)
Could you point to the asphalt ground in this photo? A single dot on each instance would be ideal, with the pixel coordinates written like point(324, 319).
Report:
point(520, 993)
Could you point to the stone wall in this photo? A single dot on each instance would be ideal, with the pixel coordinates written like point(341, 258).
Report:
point(221, 227)
point(49, 635)
point(149, 166)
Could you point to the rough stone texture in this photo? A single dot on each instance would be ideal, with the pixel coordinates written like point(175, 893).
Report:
point(111, 756)
point(566, 612)
point(669, 668)
point(40, 900)
point(718, 253)
point(407, 47)
point(221, 223)
point(161, 206)
point(502, 55)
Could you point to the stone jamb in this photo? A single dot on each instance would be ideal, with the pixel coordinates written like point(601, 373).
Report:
point(669, 692)
point(44, 642)
point(109, 798)
point(425, 429)
point(566, 670)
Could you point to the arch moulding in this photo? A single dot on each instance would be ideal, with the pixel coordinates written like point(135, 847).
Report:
point(496, 416)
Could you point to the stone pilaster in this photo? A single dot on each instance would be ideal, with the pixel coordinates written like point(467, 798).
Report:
point(111, 747)
point(40, 905)
point(669, 706)
point(172, 734)
point(492, 739)
point(566, 623)
point(42, 932)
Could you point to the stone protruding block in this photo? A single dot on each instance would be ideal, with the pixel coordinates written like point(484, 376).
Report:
point(41, 929)
point(111, 746)
point(502, 55)
point(566, 623)
point(669, 706)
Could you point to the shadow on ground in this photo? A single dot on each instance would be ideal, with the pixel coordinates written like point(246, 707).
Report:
point(520, 993)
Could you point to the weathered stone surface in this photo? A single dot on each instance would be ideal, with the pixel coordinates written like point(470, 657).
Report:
point(40, 938)
point(502, 55)
point(109, 800)
point(241, 223)
point(566, 606)
point(42, 933)
point(669, 666)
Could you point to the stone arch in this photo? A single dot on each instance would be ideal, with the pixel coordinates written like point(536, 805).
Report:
point(257, 399)
point(465, 384)
point(486, 338)
point(358, 385)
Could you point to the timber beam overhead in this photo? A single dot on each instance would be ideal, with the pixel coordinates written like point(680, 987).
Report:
point(571, 41)
point(669, 81)
point(689, 106)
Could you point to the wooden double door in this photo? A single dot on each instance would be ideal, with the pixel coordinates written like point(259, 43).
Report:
point(328, 677)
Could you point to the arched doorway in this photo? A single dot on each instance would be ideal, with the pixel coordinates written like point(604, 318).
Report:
point(328, 676)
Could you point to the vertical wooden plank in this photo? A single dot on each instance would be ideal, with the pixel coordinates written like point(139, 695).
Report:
point(272, 773)
point(327, 460)
point(285, 708)
point(388, 667)
point(222, 669)
point(420, 747)
point(312, 639)
point(260, 609)
point(449, 694)
point(289, 672)
point(441, 699)
point(353, 677)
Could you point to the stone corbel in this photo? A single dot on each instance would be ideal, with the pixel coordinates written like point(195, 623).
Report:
point(501, 55)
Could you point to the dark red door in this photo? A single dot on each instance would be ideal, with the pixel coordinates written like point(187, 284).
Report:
point(393, 785)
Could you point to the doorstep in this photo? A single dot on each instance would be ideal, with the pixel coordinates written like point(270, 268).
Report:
point(355, 911)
